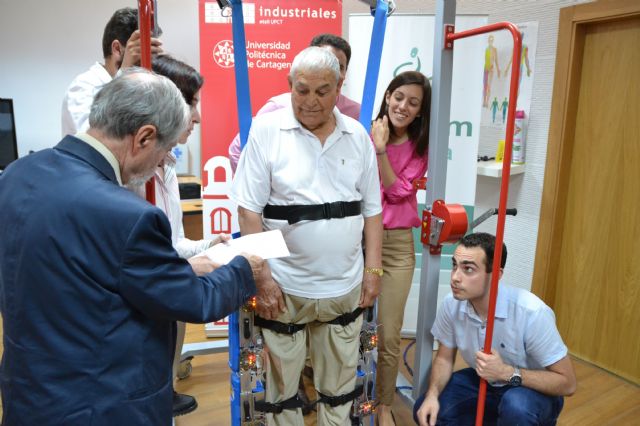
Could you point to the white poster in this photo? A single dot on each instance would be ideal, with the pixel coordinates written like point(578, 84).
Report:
point(408, 45)
point(497, 51)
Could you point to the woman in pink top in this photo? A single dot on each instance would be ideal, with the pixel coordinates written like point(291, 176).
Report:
point(401, 138)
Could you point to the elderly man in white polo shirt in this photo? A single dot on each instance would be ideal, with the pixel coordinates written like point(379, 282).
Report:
point(311, 172)
point(528, 371)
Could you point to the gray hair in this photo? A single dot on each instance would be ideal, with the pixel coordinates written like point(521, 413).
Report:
point(315, 59)
point(137, 98)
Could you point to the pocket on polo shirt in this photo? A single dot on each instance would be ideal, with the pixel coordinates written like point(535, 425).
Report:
point(349, 172)
point(509, 355)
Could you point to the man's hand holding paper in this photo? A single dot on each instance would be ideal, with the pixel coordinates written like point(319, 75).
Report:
point(256, 247)
point(267, 245)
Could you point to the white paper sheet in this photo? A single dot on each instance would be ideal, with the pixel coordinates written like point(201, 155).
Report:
point(267, 245)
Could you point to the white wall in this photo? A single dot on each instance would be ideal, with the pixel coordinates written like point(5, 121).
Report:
point(45, 44)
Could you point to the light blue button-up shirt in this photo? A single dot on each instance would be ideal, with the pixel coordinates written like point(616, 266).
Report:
point(524, 333)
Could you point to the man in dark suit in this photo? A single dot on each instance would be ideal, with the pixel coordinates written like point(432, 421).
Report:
point(90, 285)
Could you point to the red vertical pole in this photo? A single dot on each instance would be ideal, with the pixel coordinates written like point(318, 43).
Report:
point(145, 11)
point(504, 186)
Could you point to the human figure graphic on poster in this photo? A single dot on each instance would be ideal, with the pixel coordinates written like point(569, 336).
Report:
point(494, 109)
point(410, 65)
point(524, 61)
point(500, 87)
point(490, 59)
point(503, 108)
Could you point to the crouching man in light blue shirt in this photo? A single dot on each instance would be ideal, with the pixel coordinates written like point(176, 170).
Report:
point(528, 371)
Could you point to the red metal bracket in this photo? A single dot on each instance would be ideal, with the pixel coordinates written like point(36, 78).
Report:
point(420, 183)
point(449, 29)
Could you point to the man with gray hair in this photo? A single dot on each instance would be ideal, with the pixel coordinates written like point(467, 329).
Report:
point(311, 172)
point(90, 285)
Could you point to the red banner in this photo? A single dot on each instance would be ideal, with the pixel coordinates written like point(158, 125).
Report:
point(276, 30)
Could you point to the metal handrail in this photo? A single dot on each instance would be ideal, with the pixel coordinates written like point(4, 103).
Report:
point(145, 12)
point(450, 37)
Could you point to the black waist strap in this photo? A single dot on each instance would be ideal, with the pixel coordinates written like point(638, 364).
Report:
point(296, 213)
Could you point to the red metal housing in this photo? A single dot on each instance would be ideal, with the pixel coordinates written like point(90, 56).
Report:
point(453, 225)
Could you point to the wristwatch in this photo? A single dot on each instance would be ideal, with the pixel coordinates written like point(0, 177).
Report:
point(375, 271)
point(516, 377)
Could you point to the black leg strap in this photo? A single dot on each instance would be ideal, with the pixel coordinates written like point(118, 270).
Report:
point(276, 407)
point(277, 326)
point(335, 401)
point(346, 319)
point(294, 402)
point(291, 328)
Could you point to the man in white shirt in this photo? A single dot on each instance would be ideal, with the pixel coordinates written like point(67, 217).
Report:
point(339, 47)
point(121, 49)
point(528, 371)
point(311, 172)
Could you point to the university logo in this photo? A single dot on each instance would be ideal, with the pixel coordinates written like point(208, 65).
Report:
point(223, 54)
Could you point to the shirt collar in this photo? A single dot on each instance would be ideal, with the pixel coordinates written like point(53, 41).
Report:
point(170, 159)
point(502, 306)
point(104, 151)
point(291, 122)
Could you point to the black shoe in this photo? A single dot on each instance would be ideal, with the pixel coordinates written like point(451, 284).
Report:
point(183, 404)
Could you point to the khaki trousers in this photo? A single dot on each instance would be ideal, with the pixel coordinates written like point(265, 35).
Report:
point(333, 350)
point(398, 262)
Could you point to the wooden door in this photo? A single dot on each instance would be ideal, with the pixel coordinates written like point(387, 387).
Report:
point(588, 255)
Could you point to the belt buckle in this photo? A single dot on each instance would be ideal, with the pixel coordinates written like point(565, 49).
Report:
point(326, 211)
point(337, 210)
